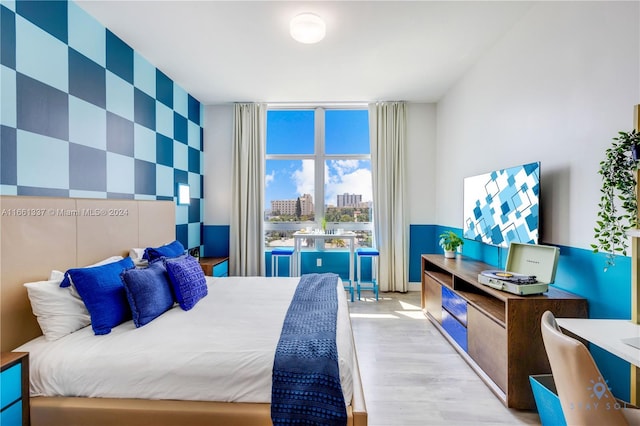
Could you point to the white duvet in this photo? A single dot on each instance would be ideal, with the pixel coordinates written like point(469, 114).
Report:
point(221, 350)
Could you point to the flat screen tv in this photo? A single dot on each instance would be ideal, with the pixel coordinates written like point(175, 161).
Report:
point(503, 206)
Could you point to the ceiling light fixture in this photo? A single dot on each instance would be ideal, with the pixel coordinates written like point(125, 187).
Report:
point(307, 28)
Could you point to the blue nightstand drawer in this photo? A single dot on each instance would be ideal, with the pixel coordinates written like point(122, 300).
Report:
point(12, 416)
point(10, 385)
point(456, 330)
point(221, 269)
point(455, 304)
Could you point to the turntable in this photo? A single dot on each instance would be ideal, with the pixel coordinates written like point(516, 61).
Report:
point(534, 267)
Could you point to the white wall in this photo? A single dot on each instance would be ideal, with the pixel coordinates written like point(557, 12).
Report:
point(556, 88)
point(218, 136)
point(218, 141)
point(420, 162)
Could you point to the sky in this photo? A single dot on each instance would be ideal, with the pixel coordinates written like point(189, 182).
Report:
point(292, 132)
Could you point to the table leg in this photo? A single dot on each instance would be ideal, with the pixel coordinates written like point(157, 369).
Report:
point(351, 251)
point(298, 253)
point(635, 385)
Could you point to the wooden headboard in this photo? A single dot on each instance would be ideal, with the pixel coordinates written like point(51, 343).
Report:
point(39, 234)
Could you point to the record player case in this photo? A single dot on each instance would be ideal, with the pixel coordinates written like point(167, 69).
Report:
point(535, 260)
point(496, 332)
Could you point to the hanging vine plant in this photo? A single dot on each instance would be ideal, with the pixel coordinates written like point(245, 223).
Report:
point(618, 207)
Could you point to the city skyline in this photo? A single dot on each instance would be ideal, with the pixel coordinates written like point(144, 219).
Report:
point(287, 206)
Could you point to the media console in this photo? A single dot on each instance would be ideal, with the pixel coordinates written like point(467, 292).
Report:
point(497, 333)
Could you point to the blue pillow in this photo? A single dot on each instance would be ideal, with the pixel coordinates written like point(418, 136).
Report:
point(148, 291)
point(103, 293)
point(187, 279)
point(173, 249)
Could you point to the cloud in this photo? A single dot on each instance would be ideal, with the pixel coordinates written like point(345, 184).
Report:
point(343, 167)
point(269, 178)
point(341, 176)
point(347, 176)
point(304, 178)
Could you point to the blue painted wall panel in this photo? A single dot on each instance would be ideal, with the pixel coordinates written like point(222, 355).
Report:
point(80, 119)
point(50, 15)
point(421, 241)
point(216, 241)
point(119, 57)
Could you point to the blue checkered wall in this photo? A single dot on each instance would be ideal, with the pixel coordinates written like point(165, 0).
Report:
point(84, 115)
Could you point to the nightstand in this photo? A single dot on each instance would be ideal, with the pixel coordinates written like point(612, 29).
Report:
point(14, 389)
point(215, 266)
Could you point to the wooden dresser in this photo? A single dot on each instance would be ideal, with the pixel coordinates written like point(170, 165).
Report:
point(215, 266)
point(497, 333)
point(14, 387)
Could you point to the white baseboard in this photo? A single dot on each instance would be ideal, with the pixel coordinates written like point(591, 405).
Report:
point(415, 286)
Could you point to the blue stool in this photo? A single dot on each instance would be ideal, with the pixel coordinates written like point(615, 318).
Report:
point(373, 284)
point(278, 252)
point(350, 288)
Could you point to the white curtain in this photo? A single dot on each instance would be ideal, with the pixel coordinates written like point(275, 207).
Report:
point(388, 134)
point(246, 230)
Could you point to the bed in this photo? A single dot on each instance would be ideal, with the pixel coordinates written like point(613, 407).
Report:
point(40, 234)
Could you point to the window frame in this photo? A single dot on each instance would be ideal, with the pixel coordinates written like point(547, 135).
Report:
point(319, 157)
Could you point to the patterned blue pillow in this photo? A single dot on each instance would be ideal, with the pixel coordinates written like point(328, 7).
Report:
point(173, 249)
point(103, 293)
point(187, 279)
point(148, 291)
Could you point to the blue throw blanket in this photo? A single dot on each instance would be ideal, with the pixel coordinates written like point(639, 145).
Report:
point(306, 380)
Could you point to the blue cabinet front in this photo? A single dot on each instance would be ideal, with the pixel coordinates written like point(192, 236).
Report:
point(10, 394)
point(10, 385)
point(455, 304)
point(455, 329)
point(12, 415)
point(221, 269)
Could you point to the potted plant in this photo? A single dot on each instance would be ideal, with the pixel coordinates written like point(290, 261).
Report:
point(450, 242)
point(618, 206)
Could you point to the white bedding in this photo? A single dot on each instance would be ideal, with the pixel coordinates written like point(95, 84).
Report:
point(221, 350)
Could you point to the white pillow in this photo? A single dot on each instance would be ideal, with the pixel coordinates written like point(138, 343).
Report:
point(105, 261)
point(58, 312)
point(136, 255)
point(56, 275)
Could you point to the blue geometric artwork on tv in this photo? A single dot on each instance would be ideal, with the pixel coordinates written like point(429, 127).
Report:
point(502, 206)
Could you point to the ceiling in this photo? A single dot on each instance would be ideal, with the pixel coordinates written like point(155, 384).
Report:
point(240, 51)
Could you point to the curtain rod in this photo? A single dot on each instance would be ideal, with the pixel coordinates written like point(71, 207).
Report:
point(317, 104)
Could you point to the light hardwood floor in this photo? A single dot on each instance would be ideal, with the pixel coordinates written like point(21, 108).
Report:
point(412, 376)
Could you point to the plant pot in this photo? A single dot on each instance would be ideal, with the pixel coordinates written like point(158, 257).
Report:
point(450, 254)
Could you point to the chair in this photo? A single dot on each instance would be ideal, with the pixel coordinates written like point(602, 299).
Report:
point(373, 284)
point(276, 254)
point(584, 395)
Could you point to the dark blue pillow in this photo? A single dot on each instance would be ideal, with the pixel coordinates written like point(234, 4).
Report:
point(148, 291)
point(173, 249)
point(187, 279)
point(103, 293)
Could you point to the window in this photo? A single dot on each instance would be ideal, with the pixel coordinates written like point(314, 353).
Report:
point(317, 154)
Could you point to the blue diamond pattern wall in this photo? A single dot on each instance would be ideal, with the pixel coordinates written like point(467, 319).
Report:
point(84, 115)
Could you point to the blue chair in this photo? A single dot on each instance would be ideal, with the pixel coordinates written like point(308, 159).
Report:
point(278, 252)
point(373, 284)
